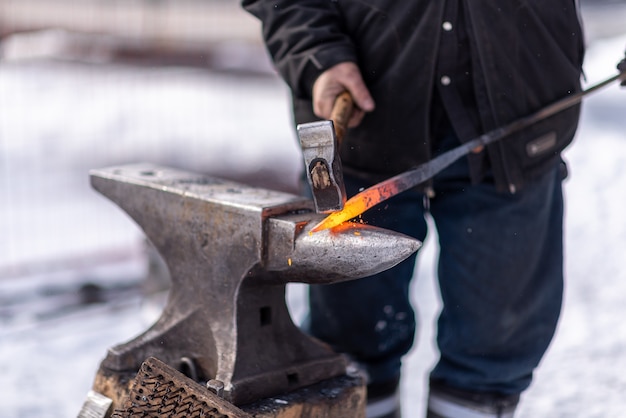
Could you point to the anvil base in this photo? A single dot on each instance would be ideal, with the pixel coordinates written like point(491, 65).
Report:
point(160, 389)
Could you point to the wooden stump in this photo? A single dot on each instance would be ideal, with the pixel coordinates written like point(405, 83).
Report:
point(158, 390)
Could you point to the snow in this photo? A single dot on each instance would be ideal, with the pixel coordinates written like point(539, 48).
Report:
point(58, 120)
point(581, 374)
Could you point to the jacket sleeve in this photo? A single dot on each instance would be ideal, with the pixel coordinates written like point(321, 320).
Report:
point(304, 38)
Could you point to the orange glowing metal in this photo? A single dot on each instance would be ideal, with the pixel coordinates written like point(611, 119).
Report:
point(359, 204)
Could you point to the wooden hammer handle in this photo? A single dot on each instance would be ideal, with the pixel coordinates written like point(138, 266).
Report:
point(340, 115)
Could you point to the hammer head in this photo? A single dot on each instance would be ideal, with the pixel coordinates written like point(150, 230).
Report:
point(323, 166)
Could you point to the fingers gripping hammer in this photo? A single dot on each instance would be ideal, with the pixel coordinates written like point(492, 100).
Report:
point(320, 143)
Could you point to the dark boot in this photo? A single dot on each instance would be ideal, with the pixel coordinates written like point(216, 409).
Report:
point(383, 400)
point(446, 402)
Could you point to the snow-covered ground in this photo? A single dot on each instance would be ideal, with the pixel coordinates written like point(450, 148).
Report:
point(58, 120)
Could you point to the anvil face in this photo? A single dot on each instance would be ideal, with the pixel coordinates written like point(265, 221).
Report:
point(230, 250)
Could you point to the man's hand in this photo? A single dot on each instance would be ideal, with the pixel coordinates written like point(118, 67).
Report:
point(335, 80)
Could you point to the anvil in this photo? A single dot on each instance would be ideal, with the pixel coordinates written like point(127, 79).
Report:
point(230, 250)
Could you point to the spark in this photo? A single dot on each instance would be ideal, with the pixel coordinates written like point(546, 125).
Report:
point(359, 204)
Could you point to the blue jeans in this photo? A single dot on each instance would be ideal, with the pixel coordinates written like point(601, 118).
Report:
point(500, 275)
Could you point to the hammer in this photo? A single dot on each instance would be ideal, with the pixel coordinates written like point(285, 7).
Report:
point(320, 143)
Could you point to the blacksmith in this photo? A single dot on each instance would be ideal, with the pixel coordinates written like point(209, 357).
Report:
point(427, 76)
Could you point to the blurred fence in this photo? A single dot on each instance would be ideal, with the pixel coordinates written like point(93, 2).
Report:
point(196, 24)
point(163, 21)
point(187, 32)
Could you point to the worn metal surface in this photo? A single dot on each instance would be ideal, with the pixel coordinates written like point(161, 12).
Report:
point(230, 250)
point(294, 254)
point(159, 391)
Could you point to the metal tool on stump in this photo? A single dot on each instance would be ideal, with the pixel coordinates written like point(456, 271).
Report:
point(230, 250)
point(320, 142)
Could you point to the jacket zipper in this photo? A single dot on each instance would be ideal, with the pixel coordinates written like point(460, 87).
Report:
point(479, 53)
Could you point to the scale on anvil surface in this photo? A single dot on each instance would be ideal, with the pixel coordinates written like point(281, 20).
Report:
point(230, 250)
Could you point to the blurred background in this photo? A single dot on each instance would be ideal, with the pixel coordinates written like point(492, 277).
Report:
point(92, 83)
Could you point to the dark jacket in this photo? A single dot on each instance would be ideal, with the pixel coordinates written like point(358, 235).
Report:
point(525, 53)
